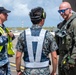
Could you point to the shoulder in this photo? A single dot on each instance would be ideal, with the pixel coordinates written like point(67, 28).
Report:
point(74, 22)
point(49, 35)
point(61, 24)
point(21, 35)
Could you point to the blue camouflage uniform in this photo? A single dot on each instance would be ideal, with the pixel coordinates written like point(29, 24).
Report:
point(4, 61)
point(49, 45)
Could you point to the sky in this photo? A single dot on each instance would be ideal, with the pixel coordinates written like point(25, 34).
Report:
point(19, 16)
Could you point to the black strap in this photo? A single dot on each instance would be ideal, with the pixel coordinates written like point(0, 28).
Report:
point(24, 39)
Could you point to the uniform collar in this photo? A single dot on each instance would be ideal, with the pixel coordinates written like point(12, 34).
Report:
point(1, 25)
point(36, 26)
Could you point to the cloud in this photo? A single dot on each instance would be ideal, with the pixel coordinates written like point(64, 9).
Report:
point(6, 3)
point(20, 9)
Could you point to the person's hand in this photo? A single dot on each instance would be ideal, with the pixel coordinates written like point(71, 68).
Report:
point(19, 73)
point(53, 73)
point(10, 34)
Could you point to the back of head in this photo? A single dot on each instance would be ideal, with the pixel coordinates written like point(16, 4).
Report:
point(37, 14)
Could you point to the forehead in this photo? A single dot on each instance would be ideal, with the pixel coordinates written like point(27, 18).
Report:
point(3, 14)
point(63, 6)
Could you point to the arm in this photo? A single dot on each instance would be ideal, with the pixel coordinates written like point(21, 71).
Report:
point(20, 48)
point(53, 47)
point(54, 62)
point(10, 33)
point(18, 62)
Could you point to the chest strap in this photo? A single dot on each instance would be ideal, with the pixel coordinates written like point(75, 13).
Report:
point(9, 44)
point(39, 39)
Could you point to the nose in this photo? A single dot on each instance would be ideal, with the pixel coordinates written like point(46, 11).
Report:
point(6, 14)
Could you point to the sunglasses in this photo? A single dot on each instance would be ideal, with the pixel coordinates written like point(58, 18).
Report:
point(63, 11)
point(4, 13)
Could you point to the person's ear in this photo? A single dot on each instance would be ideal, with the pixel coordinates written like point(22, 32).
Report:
point(0, 15)
point(70, 10)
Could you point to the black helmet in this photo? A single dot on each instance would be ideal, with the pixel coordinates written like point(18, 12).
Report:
point(37, 14)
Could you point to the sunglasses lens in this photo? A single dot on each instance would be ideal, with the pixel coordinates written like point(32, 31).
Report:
point(58, 11)
point(62, 11)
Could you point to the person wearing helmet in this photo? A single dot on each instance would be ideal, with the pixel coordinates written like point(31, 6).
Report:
point(36, 43)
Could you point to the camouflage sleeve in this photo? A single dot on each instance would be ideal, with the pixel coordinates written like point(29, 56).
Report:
point(74, 29)
point(20, 42)
point(52, 42)
point(74, 46)
point(3, 40)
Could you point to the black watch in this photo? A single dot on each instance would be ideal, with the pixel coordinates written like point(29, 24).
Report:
point(18, 70)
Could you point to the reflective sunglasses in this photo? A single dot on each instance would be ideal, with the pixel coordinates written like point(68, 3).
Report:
point(4, 13)
point(63, 11)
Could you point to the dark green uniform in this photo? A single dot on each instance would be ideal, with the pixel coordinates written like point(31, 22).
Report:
point(66, 40)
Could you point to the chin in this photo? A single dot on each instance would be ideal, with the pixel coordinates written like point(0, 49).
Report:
point(6, 19)
point(64, 17)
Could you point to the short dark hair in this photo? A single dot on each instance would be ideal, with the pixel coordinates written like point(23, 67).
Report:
point(37, 14)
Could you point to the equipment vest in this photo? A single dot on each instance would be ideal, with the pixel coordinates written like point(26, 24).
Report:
point(35, 63)
point(9, 44)
point(65, 35)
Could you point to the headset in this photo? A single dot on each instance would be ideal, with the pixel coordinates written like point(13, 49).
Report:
point(43, 15)
point(37, 14)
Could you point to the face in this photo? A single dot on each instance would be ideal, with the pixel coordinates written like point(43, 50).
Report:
point(3, 16)
point(64, 12)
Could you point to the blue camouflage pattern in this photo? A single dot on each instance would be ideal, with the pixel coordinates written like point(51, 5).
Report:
point(3, 55)
point(38, 71)
point(49, 45)
point(5, 70)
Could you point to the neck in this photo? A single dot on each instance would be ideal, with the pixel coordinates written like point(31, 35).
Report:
point(41, 23)
point(1, 22)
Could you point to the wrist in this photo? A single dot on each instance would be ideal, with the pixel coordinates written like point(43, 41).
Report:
point(18, 70)
point(53, 73)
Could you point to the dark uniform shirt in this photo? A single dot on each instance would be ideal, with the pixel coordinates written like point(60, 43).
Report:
point(70, 45)
point(49, 45)
point(49, 42)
